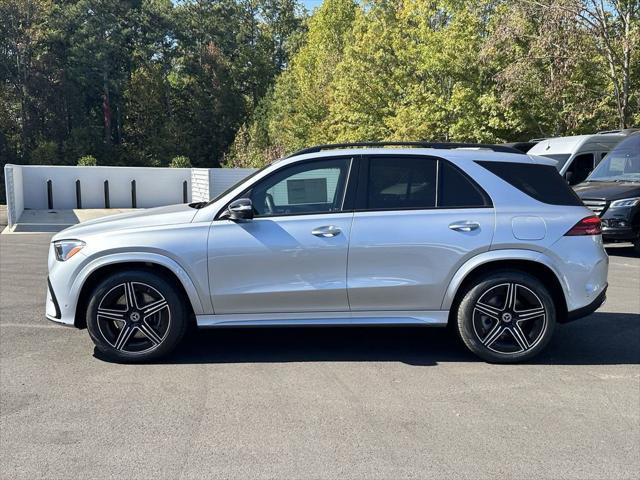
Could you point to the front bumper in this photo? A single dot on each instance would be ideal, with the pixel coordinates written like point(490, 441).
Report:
point(53, 308)
point(617, 224)
point(60, 306)
point(618, 234)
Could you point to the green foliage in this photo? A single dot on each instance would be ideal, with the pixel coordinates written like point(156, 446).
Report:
point(45, 153)
point(136, 82)
point(447, 70)
point(180, 162)
point(242, 82)
point(294, 114)
point(87, 161)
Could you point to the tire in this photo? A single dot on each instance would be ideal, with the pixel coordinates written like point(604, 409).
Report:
point(636, 245)
point(501, 327)
point(140, 327)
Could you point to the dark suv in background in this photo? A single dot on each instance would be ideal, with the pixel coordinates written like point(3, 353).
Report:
point(613, 192)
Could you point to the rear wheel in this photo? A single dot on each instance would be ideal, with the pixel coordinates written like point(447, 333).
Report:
point(506, 317)
point(135, 316)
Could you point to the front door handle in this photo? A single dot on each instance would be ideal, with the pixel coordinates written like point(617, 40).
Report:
point(327, 231)
point(464, 226)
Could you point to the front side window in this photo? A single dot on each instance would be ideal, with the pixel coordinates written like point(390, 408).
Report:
point(401, 182)
point(306, 188)
point(580, 168)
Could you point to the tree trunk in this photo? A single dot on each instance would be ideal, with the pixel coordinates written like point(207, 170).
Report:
point(106, 107)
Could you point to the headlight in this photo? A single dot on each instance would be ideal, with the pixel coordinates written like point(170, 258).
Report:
point(65, 249)
point(626, 202)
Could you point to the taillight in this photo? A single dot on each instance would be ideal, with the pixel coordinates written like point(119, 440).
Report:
point(586, 226)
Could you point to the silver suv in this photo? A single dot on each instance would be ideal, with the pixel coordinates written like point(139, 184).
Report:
point(493, 243)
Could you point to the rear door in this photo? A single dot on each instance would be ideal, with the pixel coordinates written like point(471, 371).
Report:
point(417, 220)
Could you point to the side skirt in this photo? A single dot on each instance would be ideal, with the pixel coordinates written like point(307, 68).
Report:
point(434, 318)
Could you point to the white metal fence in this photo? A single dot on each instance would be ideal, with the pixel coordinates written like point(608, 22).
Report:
point(38, 187)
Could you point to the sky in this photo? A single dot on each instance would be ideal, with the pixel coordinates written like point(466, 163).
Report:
point(311, 4)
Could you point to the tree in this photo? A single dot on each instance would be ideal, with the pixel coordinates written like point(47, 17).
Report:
point(136, 81)
point(614, 27)
point(180, 162)
point(87, 161)
point(23, 68)
point(549, 76)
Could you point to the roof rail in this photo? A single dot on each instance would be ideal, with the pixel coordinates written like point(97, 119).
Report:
point(445, 146)
point(623, 131)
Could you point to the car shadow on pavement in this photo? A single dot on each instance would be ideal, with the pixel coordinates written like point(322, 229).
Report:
point(600, 339)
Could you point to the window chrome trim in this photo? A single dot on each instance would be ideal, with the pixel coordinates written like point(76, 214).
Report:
point(364, 176)
point(351, 160)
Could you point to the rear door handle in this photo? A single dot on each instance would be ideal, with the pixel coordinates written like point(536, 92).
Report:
point(327, 231)
point(466, 226)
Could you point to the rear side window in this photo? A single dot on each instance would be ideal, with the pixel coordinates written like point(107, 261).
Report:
point(456, 190)
point(401, 182)
point(542, 182)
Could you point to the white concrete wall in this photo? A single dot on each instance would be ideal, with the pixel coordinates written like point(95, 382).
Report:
point(200, 184)
point(15, 192)
point(26, 186)
point(154, 186)
point(221, 179)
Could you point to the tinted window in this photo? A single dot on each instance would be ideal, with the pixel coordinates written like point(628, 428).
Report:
point(580, 168)
point(542, 182)
point(397, 182)
point(310, 187)
point(456, 190)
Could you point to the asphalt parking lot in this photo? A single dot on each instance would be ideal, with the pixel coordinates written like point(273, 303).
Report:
point(316, 403)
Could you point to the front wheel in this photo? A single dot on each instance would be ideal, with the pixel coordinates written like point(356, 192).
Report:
point(506, 317)
point(135, 316)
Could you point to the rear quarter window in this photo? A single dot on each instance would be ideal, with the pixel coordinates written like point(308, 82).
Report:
point(457, 190)
point(541, 182)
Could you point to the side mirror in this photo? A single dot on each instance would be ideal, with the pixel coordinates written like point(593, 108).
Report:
point(241, 209)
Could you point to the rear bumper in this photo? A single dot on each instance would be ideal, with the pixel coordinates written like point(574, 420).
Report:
point(581, 264)
point(588, 309)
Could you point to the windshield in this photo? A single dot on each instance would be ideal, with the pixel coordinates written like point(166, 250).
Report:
point(560, 157)
point(621, 165)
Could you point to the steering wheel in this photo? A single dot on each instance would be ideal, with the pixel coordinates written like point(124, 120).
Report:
point(268, 203)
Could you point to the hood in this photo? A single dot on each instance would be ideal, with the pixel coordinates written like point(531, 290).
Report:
point(152, 217)
point(608, 190)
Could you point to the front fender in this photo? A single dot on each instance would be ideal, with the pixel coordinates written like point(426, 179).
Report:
point(139, 257)
point(498, 255)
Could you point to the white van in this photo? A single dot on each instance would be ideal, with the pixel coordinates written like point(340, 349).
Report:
point(577, 156)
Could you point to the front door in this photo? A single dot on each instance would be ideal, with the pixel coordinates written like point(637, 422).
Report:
point(292, 257)
point(417, 220)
